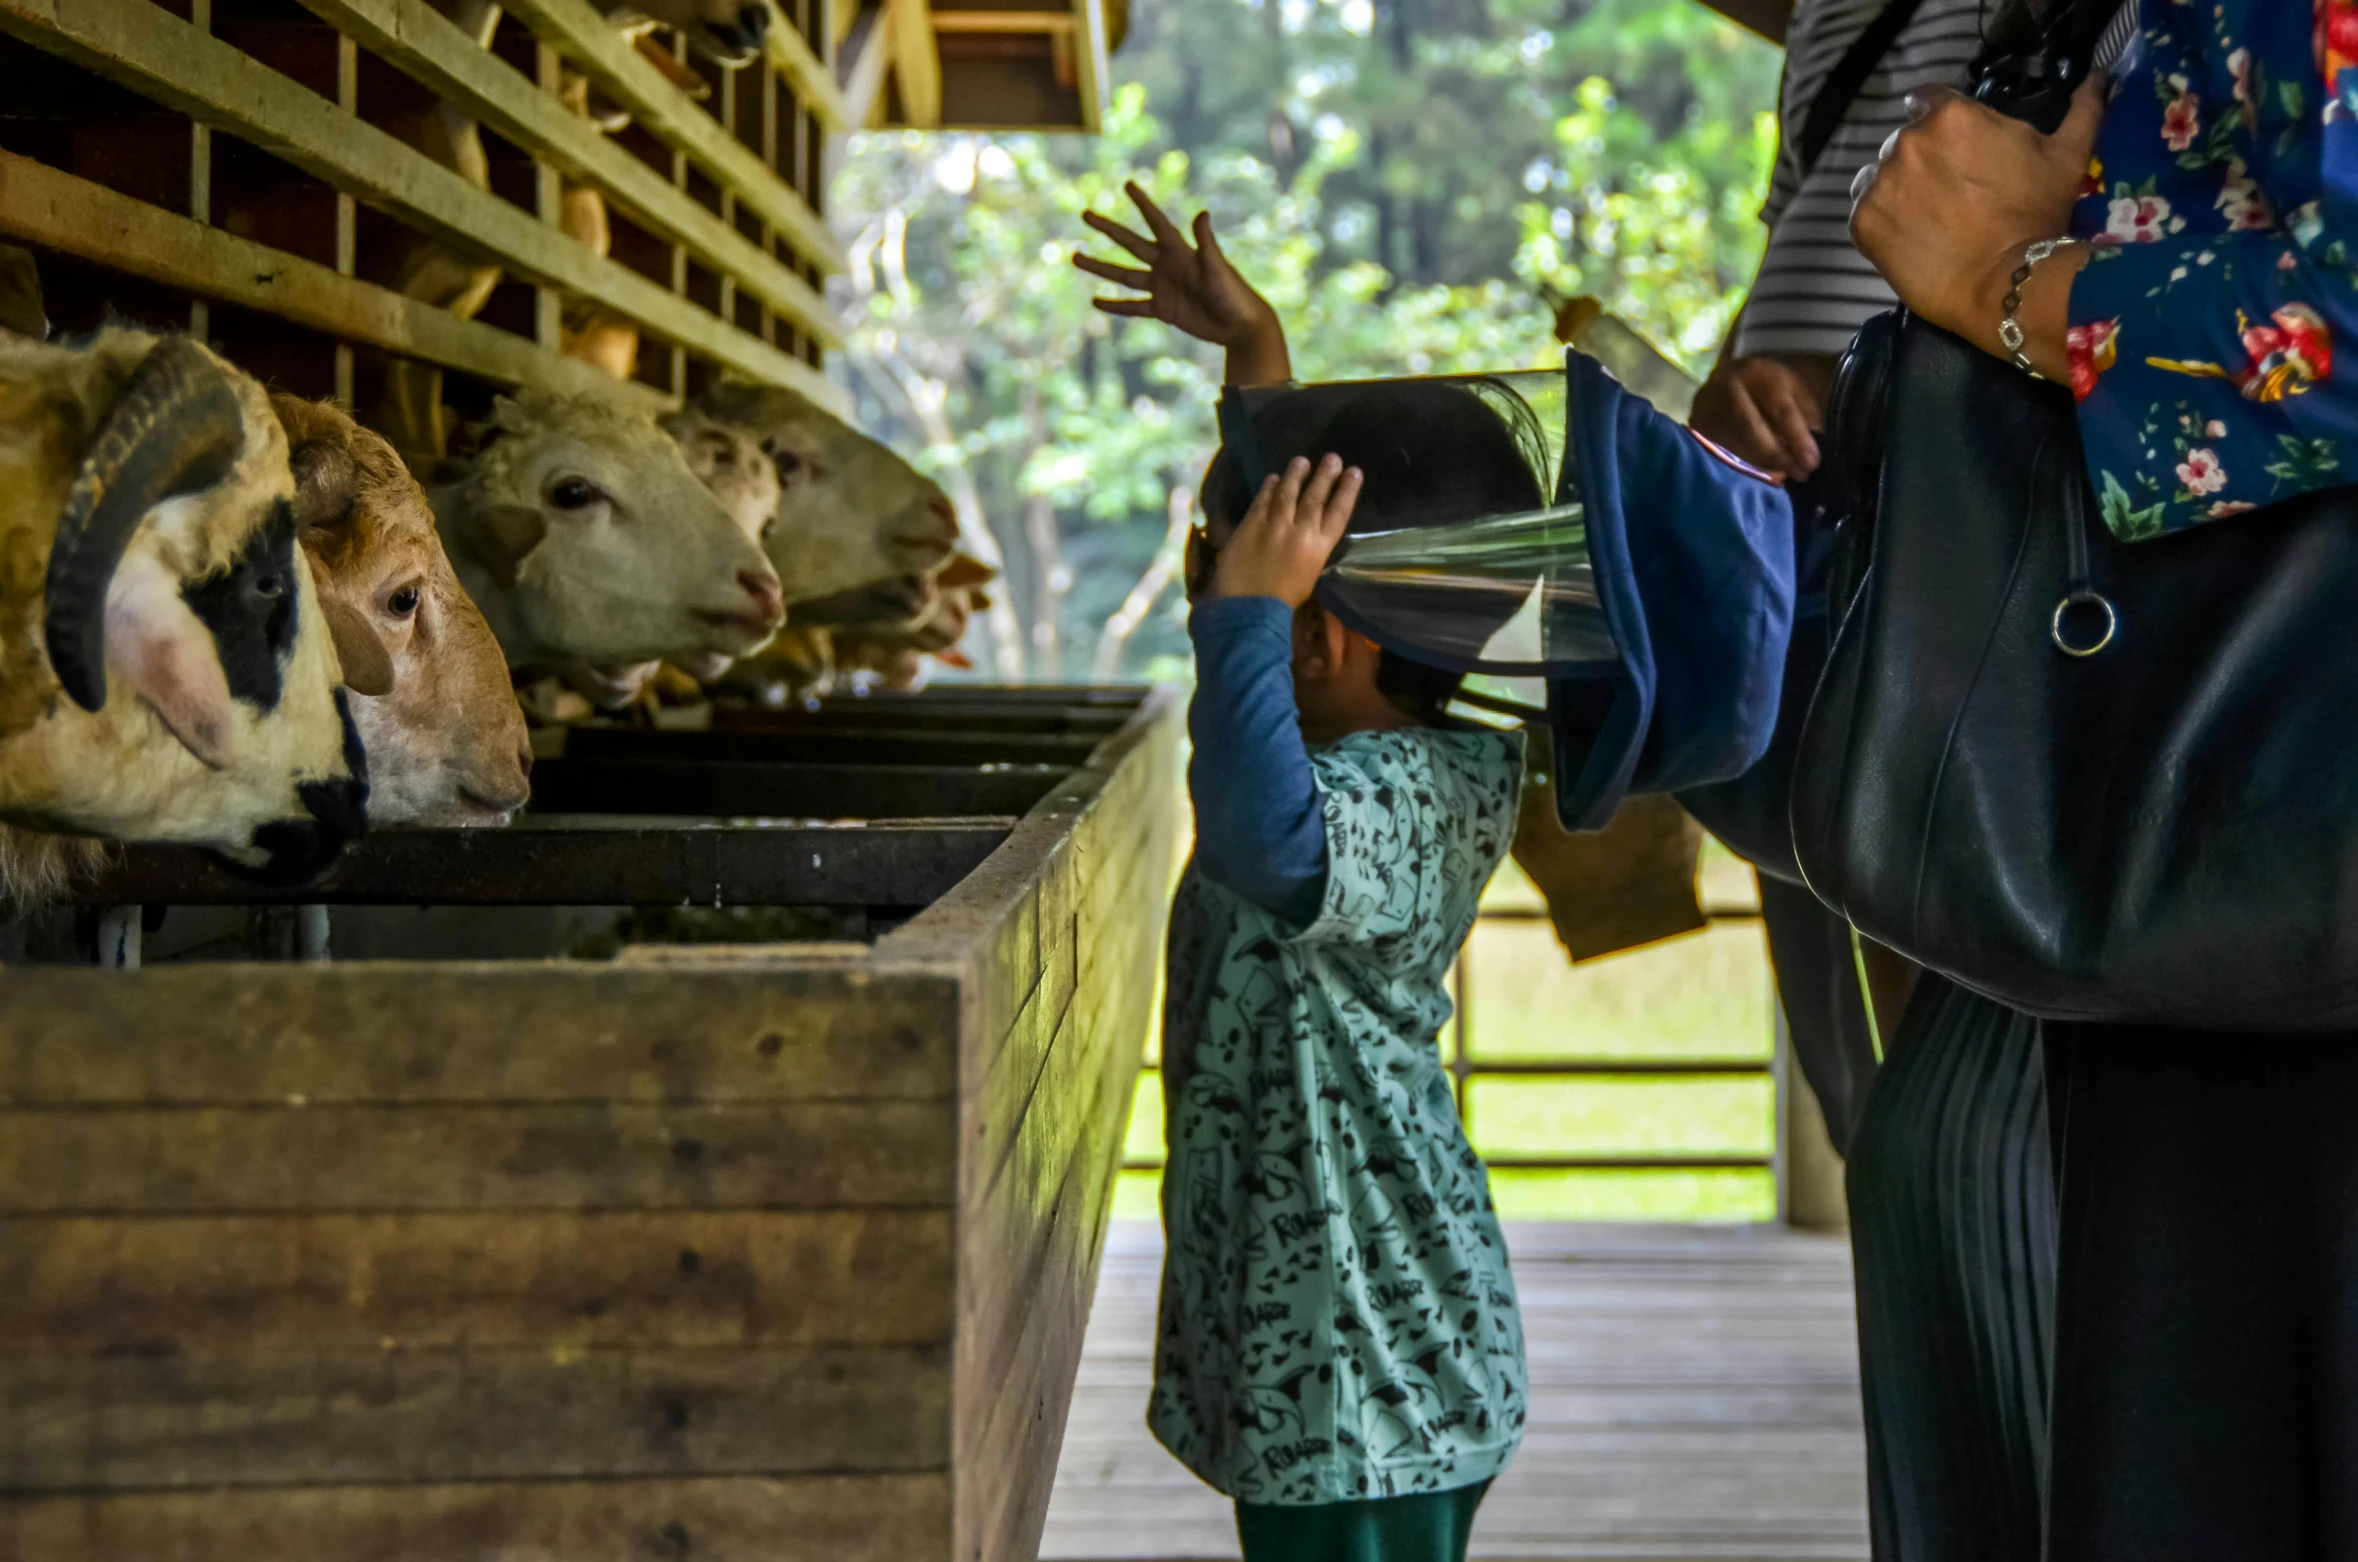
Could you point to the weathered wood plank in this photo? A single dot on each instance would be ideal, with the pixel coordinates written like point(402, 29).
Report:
point(792, 57)
point(42, 206)
point(916, 62)
point(289, 1288)
point(155, 54)
point(564, 1156)
point(418, 40)
point(664, 112)
point(814, 1518)
point(225, 1035)
point(468, 1414)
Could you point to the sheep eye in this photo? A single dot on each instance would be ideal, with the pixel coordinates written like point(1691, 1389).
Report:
point(573, 494)
point(270, 585)
point(403, 602)
point(787, 463)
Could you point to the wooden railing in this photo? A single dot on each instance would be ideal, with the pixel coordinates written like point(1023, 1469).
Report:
point(720, 255)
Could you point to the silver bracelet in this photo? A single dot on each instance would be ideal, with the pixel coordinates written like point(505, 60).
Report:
point(2009, 328)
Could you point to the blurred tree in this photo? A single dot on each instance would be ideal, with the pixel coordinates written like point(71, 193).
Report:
point(1403, 178)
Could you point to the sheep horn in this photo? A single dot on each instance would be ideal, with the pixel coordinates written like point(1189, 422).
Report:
point(178, 428)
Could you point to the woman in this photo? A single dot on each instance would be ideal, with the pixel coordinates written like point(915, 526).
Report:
point(2207, 1313)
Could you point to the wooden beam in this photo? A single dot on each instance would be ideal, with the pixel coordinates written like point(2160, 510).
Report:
point(1090, 56)
point(411, 36)
point(865, 58)
point(1023, 22)
point(40, 205)
point(791, 55)
point(665, 113)
point(916, 62)
point(157, 55)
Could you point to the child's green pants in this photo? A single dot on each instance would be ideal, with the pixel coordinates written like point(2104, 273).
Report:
point(1427, 1527)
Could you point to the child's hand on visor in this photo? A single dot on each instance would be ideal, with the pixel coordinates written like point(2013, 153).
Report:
point(1282, 545)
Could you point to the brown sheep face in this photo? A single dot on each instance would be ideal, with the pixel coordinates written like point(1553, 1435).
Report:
point(445, 737)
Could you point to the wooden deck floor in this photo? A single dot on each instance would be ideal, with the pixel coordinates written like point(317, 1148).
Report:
point(1694, 1399)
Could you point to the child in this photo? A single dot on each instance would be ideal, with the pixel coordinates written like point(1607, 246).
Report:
point(1339, 1345)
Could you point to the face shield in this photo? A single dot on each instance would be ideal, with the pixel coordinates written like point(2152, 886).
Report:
point(1468, 550)
point(1550, 526)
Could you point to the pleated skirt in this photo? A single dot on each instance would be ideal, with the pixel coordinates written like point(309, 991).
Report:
point(2206, 1398)
point(1953, 1233)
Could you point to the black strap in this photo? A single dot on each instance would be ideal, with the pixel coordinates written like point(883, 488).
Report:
point(1850, 73)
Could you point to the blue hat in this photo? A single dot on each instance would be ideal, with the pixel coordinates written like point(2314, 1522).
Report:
point(1692, 554)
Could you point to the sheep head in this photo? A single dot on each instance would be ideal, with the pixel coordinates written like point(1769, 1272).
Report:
point(850, 512)
point(584, 537)
point(169, 671)
point(445, 737)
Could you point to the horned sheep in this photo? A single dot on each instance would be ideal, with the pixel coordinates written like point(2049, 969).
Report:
point(446, 739)
point(166, 669)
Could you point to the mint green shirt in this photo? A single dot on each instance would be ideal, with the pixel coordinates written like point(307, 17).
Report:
point(1338, 1320)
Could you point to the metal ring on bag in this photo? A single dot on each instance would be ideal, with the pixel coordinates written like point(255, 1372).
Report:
point(2112, 623)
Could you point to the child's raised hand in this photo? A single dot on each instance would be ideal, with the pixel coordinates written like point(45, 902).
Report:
point(1281, 547)
point(1192, 288)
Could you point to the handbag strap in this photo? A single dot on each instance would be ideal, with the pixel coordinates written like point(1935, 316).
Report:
point(1849, 76)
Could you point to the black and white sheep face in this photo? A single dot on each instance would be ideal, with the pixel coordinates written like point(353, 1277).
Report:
point(728, 32)
point(584, 537)
point(191, 688)
point(850, 512)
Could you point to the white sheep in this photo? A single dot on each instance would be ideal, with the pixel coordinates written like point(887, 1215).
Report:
point(166, 671)
point(581, 533)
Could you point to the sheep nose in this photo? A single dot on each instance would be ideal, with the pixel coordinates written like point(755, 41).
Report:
point(943, 511)
point(768, 596)
point(755, 20)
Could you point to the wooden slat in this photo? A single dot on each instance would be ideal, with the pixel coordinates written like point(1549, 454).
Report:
point(42, 206)
point(867, 56)
point(565, 1156)
point(1090, 59)
point(77, 1423)
point(413, 37)
point(292, 1288)
point(812, 1518)
point(791, 55)
point(916, 62)
point(207, 1035)
point(665, 113)
point(152, 52)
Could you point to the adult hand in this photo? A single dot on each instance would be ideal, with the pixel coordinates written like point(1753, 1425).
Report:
point(1956, 196)
point(1192, 288)
point(1763, 411)
point(1281, 547)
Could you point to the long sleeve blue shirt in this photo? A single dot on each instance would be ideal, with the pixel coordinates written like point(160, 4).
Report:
point(1259, 827)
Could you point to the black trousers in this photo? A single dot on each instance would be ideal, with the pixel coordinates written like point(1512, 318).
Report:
point(1953, 1234)
point(2206, 1399)
point(1826, 1019)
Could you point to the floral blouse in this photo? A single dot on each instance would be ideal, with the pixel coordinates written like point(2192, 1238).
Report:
point(2223, 204)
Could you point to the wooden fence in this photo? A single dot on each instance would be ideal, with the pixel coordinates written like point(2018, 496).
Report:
point(233, 167)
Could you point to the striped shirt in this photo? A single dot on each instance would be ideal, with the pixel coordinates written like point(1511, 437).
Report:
point(1814, 291)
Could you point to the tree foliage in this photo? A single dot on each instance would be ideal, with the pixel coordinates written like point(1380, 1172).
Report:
point(1407, 180)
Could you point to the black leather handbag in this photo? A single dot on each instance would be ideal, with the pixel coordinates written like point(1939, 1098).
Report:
point(2093, 781)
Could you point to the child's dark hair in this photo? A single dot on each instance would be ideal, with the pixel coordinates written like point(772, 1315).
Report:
point(1434, 451)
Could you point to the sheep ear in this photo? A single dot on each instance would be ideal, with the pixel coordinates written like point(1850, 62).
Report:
point(368, 666)
point(326, 478)
point(177, 429)
point(963, 570)
point(165, 654)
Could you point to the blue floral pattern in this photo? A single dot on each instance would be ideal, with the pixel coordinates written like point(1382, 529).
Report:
point(2223, 206)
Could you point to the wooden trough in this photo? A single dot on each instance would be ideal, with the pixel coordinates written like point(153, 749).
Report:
point(721, 1251)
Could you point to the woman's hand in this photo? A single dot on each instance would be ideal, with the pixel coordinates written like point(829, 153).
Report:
point(1763, 411)
point(1957, 195)
point(1193, 289)
point(1282, 545)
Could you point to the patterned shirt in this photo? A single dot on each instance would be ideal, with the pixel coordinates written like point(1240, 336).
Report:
point(1338, 1321)
point(2224, 201)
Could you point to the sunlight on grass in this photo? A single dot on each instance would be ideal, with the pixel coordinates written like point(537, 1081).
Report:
point(1706, 995)
point(1618, 1116)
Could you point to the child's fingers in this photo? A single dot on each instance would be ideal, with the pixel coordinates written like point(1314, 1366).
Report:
point(1208, 241)
point(1315, 490)
point(1130, 239)
point(1136, 308)
point(1286, 502)
point(1165, 230)
point(1120, 276)
point(1335, 518)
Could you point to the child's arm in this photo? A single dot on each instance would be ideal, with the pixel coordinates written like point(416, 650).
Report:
point(1194, 290)
point(1260, 827)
